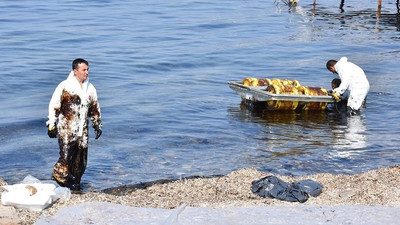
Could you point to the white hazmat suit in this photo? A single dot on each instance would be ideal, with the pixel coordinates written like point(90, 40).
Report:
point(70, 108)
point(352, 78)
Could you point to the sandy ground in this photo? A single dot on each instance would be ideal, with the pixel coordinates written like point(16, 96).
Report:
point(376, 187)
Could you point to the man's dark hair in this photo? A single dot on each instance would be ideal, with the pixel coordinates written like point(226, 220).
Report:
point(330, 63)
point(78, 61)
point(336, 82)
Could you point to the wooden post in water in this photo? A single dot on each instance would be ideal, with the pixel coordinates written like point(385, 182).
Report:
point(341, 6)
point(313, 9)
point(378, 11)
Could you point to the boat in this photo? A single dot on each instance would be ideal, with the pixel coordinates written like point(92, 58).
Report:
point(281, 94)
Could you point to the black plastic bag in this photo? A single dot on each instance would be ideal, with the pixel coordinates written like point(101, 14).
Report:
point(273, 187)
point(309, 186)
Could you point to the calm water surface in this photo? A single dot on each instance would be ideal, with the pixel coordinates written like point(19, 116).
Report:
point(161, 70)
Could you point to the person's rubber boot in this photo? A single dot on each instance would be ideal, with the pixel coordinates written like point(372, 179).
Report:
point(352, 112)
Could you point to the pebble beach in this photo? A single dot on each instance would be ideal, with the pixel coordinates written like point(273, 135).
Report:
point(371, 188)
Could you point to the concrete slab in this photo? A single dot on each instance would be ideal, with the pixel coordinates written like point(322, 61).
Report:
point(110, 213)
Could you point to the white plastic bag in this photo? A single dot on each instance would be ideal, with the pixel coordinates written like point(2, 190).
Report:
point(33, 194)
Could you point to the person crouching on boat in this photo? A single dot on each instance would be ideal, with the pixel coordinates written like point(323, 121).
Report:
point(73, 102)
point(353, 79)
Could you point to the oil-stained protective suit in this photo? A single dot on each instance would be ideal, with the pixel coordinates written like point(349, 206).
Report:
point(70, 108)
point(353, 78)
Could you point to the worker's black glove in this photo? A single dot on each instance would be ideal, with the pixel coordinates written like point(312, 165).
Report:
point(97, 128)
point(52, 131)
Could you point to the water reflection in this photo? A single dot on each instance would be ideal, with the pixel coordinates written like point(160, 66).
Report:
point(289, 142)
point(389, 20)
point(357, 19)
point(282, 117)
point(351, 136)
point(285, 133)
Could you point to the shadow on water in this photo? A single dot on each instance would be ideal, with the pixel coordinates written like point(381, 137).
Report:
point(295, 143)
point(333, 114)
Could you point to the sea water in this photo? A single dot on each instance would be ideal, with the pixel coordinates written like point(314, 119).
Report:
point(161, 70)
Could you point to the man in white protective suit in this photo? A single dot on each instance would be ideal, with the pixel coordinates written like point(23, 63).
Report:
point(74, 101)
point(353, 79)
